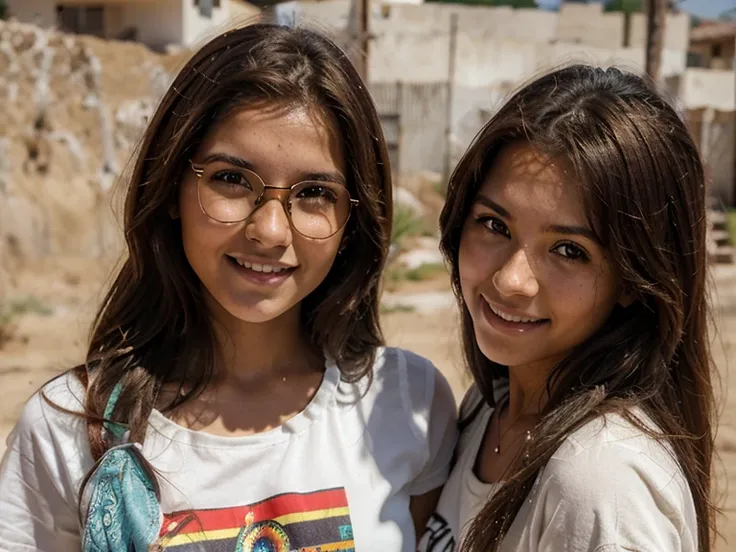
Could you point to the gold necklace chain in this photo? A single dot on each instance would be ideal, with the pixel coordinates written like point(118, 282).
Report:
point(499, 436)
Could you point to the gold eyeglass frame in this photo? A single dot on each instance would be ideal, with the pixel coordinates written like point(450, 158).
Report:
point(283, 198)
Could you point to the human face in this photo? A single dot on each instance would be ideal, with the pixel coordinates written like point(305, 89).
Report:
point(534, 278)
point(261, 268)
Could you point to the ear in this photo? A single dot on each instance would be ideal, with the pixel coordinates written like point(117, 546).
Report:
point(627, 298)
point(174, 211)
point(346, 239)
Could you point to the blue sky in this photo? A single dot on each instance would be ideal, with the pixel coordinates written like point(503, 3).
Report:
point(703, 8)
point(707, 8)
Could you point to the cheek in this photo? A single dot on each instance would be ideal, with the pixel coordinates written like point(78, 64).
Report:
point(317, 256)
point(586, 300)
point(191, 216)
point(200, 235)
point(476, 260)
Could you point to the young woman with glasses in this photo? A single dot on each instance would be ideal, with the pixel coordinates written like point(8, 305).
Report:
point(236, 394)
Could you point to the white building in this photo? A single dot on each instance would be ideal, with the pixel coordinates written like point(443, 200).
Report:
point(157, 23)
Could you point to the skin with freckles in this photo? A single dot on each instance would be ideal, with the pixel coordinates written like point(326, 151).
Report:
point(283, 146)
point(575, 232)
point(527, 252)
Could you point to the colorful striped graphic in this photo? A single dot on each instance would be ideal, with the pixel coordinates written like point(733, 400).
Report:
point(309, 522)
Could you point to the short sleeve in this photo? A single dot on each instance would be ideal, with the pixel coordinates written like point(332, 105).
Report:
point(37, 501)
point(613, 498)
point(440, 435)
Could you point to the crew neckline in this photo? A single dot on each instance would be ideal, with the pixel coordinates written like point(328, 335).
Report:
point(296, 424)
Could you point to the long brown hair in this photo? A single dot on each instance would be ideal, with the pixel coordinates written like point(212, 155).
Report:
point(153, 327)
point(644, 191)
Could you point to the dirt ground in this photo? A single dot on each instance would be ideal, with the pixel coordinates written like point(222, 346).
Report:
point(54, 306)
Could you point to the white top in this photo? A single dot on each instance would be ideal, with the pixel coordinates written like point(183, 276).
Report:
point(338, 475)
point(609, 487)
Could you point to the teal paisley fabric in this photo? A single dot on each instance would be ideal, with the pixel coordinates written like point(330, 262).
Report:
point(122, 509)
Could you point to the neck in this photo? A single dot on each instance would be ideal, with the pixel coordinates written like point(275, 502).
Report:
point(250, 351)
point(527, 390)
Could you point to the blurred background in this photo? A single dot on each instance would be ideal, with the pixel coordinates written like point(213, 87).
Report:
point(79, 79)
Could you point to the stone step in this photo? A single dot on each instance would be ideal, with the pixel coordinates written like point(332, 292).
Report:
point(717, 218)
point(723, 254)
point(713, 202)
point(720, 237)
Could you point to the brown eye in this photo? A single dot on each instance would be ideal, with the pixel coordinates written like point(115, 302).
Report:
point(495, 226)
point(571, 252)
point(317, 193)
point(232, 178)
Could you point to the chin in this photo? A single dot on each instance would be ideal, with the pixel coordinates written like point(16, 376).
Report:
point(257, 315)
point(504, 354)
point(257, 311)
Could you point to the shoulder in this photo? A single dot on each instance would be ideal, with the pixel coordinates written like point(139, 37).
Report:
point(405, 390)
point(611, 476)
point(394, 359)
point(418, 382)
point(49, 444)
point(50, 412)
point(424, 409)
point(613, 442)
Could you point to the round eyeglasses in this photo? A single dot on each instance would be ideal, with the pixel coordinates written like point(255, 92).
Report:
point(316, 209)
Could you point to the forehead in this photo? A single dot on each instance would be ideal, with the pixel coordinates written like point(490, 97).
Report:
point(524, 180)
point(292, 137)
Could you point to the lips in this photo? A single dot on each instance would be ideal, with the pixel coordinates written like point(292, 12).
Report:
point(513, 318)
point(264, 267)
point(513, 321)
point(261, 267)
point(261, 273)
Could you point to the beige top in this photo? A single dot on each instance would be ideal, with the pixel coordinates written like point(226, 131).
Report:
point(608, 487)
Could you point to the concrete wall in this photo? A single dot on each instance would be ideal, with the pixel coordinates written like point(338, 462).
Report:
point(522, 24)
point(414, 117)
point(588, 24)
point(425, 59)
point(708, 88)
point(676, 31)
point(331, 16)
point(423, 139)
point(706, 52)
point(40, 12)
point(158, 23)
point(714, 133)
point(198, 29)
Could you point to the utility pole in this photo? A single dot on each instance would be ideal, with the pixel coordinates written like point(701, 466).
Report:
point(360, 36)
point(656, 17)
point(451, 61)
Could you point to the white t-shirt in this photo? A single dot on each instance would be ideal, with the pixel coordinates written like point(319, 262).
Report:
point(609, 487)
point(337, 476)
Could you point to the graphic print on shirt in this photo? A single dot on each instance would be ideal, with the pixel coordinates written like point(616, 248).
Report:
point(438, 536)
point(308, 522)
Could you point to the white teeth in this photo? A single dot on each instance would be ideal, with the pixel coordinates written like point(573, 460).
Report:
point(509, 318)
point(255, 267)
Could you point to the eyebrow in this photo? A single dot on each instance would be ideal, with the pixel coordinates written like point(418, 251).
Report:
point(583, 231)
point(488, 202)
point(574, 231)
point(328, 176)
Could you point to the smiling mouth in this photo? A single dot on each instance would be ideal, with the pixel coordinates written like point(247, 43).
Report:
point(263, 268)
point(514, 319)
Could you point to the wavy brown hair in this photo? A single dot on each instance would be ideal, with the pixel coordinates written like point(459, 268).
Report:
point(643, 187)
point(153, 327)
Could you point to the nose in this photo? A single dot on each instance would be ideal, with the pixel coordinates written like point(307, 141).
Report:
point(269, 224)
point(516, 276)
